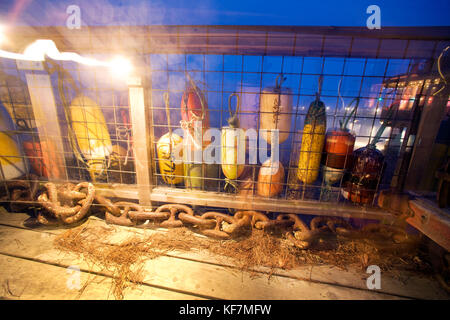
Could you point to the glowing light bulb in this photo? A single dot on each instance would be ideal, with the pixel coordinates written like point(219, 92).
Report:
point(39, 49)
point(120, 67)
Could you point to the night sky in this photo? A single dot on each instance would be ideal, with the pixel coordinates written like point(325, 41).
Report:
point(229, 12)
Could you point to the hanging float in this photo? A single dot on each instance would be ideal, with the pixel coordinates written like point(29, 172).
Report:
point(172, 173)
point(89, 127)
point(276, 111)
point(312, 140)
point(87, 130)
point(339, 144)
point(233, 147)
point(270, 179)
point(41, 154)
point(366, 170)
point(194, 108)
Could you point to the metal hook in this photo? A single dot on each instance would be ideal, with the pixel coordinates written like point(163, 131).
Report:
point(237, 104)
point(280, 76)
point(319, 91)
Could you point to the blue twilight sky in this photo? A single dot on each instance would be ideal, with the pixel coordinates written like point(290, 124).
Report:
point(227, 12)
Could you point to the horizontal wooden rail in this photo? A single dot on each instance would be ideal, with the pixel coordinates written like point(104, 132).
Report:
point(223, 200)
point(389, 42)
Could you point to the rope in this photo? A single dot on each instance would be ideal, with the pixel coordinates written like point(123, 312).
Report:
point(344, 122)
point(230, 184)
point(166, 103)
point(233, 121)
point(62, 74)
point(440, 71)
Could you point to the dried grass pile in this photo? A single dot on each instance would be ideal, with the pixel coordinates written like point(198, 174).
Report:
point(125, 260)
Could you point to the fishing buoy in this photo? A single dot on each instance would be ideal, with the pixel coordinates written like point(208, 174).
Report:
point(362, 184)
point(171, 172)
point(233, 147)
point(193, 106)
point(91, 132)
point(42, 158)
point(270, 179)
point(339, 148)
point(367, 169)
point(312, 141)
point(276, 111)
point(339, 144)
point(198, 175)
point(11, 158)
point(41, 155)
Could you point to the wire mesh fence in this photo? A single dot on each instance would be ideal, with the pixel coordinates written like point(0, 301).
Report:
point(327, 95)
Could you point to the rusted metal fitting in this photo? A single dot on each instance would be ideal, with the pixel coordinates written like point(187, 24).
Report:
point(196, 220)
point(20, 193)
point(219, 218)
point(173, 209)
point(65, 213)
point(109, 206)
point(123, 219)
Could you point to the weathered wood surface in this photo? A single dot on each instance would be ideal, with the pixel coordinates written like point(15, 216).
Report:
point(431, 220)
point(30, 280)
point(215, 199)
point(323, 282)
point(182, 275)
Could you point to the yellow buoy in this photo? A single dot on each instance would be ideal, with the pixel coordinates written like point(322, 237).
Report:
point(11, 160)
point(312, 142)
point(91, 132)
point(171, 172)
point(233, 145)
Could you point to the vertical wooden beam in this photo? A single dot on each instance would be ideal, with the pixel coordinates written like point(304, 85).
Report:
point(47, 123)
point(141, 139)
point(430, 122)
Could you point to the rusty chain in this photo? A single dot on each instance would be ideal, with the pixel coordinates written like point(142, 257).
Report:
point(69, 204)
point(20, 193)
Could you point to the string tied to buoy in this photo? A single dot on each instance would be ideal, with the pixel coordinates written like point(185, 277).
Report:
point(233, 121)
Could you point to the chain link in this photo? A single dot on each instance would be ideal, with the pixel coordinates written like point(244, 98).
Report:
point(69, 203)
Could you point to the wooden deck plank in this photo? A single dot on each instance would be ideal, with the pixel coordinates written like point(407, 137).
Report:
point(184, 275)
point(407, 284)
point(29, 280)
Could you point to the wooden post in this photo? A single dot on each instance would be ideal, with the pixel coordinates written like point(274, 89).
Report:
point(141, 139)
point(47, 123)
point(430, 122)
